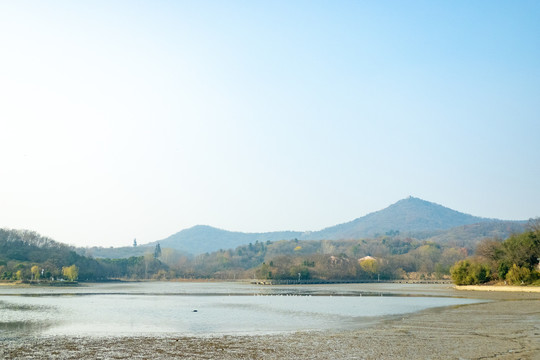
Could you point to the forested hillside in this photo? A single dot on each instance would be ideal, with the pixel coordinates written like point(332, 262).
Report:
point(21, 249)
point(26, 255)
point(470, 235)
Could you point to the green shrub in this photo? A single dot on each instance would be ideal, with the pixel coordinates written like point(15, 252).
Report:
point(503, 269)
point(465, 272)
point(460, 271)
point(518, 275)
point(480, 273)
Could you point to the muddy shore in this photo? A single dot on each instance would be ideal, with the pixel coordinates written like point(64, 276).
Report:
point(508, 327)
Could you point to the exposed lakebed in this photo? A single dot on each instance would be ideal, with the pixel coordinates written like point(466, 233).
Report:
point(206, 309)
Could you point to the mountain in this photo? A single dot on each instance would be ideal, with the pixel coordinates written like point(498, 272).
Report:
point(469, 235)
point(411, 217)
point(201, 238)
point(406, 216)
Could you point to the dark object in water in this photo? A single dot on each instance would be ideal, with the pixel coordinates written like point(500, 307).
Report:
point(194, 310)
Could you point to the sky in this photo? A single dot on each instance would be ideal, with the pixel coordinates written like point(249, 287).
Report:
point(137, 119)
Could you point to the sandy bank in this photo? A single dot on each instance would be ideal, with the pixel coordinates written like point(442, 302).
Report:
point(505, 288)
point(503, 329)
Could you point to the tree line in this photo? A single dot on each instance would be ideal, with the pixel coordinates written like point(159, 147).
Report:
point(512, 261)
point(25, 255)
point(392, 257)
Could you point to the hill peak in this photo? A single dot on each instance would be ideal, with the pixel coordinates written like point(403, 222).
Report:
point(406, 215)
point(414, 201)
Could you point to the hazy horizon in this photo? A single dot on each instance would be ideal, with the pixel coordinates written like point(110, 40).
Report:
point(123, 120)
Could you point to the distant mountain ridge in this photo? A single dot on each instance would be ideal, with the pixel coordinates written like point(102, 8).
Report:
point(202, 238)
point(409, 217)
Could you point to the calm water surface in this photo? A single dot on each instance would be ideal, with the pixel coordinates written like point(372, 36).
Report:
point(205, 309)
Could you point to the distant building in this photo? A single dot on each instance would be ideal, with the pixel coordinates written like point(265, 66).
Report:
point(366, 258)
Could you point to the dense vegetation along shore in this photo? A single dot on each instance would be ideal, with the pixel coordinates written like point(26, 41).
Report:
point(513, 261)
point(467, 331)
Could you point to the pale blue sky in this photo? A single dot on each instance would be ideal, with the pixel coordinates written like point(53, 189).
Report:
point(123, 119)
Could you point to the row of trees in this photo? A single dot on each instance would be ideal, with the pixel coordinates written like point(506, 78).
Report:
point(37, 273)
point(395, 258)
point(514, 260)
point(324, 267)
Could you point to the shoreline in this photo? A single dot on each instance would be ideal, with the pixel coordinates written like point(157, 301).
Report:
point(487, 288)
point(507, 327)
point(501, 288)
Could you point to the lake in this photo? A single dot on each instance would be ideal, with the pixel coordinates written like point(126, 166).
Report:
point(208, 309)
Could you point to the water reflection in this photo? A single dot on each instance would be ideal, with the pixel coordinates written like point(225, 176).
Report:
point(23, 328)
point(24, 319)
